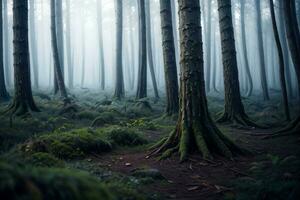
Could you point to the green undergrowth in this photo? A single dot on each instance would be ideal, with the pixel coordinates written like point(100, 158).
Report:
point(49, 183)
point(271, 178)
point(79, 143)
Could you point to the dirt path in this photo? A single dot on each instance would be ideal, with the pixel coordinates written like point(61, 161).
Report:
point(196, 179)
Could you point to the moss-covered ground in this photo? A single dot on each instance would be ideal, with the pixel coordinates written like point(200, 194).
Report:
point(98, 150)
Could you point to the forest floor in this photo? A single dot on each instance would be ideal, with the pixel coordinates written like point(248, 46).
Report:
point(129, 127)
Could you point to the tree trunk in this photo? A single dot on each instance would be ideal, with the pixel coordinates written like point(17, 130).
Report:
point(195, 130)
point(234, 108)
point(119, 87)
point(149, 47)
point(82, 53)
point(60, 40)
point(68, 45)
point(7, 49)
point(142, 73)
point(208, 46)
point(101, 48)
point(245, 50)
point(33, 45)
point(281, 63)
point(4, 96)
point(169, 58)
point(55, 53)
point(23, 101)
point(175, 35)
point(264, 83)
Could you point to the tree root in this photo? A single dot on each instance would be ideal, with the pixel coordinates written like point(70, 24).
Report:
point(292, 128)
point(239, 120)
point(203, 137)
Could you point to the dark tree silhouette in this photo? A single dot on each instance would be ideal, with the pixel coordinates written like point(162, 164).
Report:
point(101, 51)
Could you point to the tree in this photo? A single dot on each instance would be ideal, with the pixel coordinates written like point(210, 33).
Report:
point(119, 87)
point(23, 100)
point(101, 52)
point(68, 45)
point(33, 45)
point(169, 58)
point(55, 53)
point(3, 92)
point(245, 49)
point(281, 63)
point(175, 35)
point(234, 108)
point(208, 45)
point(149, 48)
point(260, 43)
point(60, 41)
point(195, 129)
point(142, 71)
point(7, 48)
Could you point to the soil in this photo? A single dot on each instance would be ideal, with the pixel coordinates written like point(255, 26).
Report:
point(196, 178)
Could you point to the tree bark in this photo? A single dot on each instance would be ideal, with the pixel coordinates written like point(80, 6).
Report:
point(23, 101)
point(260, 42)
point(169, 54)
point(33, 45)
point(55, 53)
point(149, 48)
point(281, 63)
point(101, 48)
point(119, 87)
point(4, 96)
point(195, 130)
point(245, 49)
point(68, 45)
point(142, 73)
point(234, 108)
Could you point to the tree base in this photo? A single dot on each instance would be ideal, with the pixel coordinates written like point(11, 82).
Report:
point(292, 128)
point(20, 108)
point(238, 119)
point(203, 137)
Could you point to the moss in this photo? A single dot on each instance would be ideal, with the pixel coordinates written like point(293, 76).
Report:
point(43, 183)
point(104, 118)
point(124, 192)
point(124, 137)
point(141, 124)
point(87, 114)
point(41, 159)
point(69, 145)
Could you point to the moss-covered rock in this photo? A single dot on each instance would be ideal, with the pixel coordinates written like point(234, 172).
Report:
point(68, 145)
point(87, 114)
point(104, 118)
point(41, 159)
point(124, 137)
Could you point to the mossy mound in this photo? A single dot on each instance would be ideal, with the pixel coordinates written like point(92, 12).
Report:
point(47, 184)
point(87, 114)
point(42, 159)
point(124, 137)
point(103, 119)
point(69, 145)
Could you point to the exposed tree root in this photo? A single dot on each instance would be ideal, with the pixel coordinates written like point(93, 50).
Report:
point(239, 120)
point(202, 137)
point(291, 129)
point(20, 108)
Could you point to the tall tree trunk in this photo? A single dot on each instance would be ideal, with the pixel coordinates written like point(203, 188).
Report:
point(195, 130)
point(3, 92)
point(260, 42)
point(149, 47)
point(285, 49)
point(214, 64)
point(119, 87)
point(281, 63)
point(55, 53)
point(33, 45)
point(7, 49)
point(245, 50)
point(175, 35)
point(101, 48)
point(68, 45)
point(234, 108)
point(169, 58)
point(132, 55)
point(23, 101)
point(142, 73)
point(82, 52)
point(60, 40)
point(208, 46)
